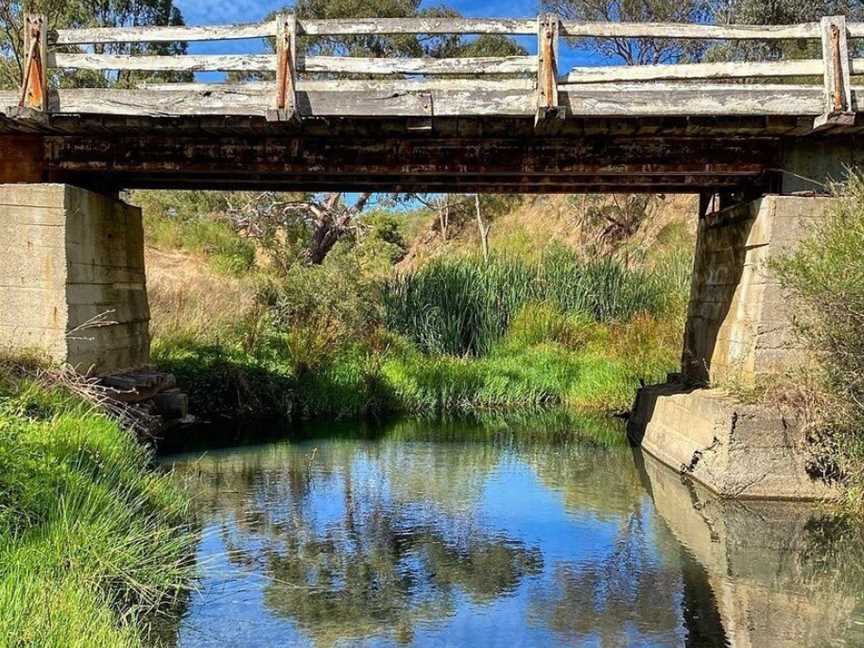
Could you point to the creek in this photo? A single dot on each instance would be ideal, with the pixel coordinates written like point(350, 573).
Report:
point(538, 533)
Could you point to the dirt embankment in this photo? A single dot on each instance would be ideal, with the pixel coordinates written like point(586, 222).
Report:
point(186, 295)
point(593, 224)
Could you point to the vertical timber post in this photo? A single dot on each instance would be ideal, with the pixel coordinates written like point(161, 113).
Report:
point(838, 88)
point(286, 69)
point(34, 84)
point(547, 68)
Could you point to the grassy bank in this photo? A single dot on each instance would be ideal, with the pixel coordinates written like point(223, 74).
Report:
point(826, 276)
point(92, 542)
point(459, 334)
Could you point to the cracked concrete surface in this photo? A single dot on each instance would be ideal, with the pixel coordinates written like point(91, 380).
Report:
point(736, 450)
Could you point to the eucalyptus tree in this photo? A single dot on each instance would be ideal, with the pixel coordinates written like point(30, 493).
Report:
point(778, 12)
point(637, 51)
point(83, 13)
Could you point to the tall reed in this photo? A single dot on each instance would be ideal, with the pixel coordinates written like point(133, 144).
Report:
point(463, 306)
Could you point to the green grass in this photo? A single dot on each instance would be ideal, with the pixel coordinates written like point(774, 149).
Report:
point(92, 541)
point(546, 358)
point(210, 236)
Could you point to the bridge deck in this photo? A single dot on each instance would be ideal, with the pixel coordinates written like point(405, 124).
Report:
point(475, 124)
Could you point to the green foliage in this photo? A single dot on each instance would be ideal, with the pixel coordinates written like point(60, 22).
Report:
point(85, 13)
point(463, 306)
point(223, 380)
point(827, 273)
point(639, 51)
point(91, 541)
point(177, 223)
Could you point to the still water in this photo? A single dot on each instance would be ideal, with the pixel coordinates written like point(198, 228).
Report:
point(501, 534)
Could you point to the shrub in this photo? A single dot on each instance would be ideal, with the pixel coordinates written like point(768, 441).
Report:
point(826, 273)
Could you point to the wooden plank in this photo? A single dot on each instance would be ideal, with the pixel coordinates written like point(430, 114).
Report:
point(597, 100)
point(387, 26)
point(835, 58)
point(267, 62)
point(470, 65)
point(333, 27)
point(688, 31)
point(106, 35)
point(286, 72)
point(547, 68)
point(418, 25)
point(188, 63)
point(301, 155)
point(622, 100)
point(490, 103)
point(406, 185)
point(8, 98)
point(143, 103)
point(34, 90)
point(320, 104)
point(352, 85)
point(696, 71)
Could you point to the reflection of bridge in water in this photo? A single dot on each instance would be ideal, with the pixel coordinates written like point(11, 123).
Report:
point(500, 124)
point(401, 536)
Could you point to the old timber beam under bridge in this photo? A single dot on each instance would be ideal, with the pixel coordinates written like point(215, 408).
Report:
point(496, 124)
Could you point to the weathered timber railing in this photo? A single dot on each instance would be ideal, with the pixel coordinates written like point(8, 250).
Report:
point(312, 85)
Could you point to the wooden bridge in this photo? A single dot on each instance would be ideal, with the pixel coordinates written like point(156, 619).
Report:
point(490, 124)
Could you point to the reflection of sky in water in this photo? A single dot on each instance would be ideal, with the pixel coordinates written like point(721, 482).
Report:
point(548, 548)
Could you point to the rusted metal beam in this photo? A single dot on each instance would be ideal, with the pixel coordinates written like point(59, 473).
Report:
point(34, 85)
point(286, 70)
point(22, 159)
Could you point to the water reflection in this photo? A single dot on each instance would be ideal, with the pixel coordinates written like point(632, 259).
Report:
point(450, 534)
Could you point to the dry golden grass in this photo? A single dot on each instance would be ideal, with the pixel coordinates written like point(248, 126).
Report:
point(187, 297)
point(575, 221)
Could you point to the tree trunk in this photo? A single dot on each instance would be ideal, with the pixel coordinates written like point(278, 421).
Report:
point(332, 225)
point(483, 226)
point(444, 217)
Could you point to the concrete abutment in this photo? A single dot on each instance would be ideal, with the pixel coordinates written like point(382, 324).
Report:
point(72, 281)
point(740, 331)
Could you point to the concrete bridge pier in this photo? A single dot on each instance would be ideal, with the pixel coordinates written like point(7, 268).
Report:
point(739, 332)
point(757, 559)
point(72, 282)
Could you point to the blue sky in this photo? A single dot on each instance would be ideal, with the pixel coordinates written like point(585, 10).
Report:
point(215, 12)
point(199, 12)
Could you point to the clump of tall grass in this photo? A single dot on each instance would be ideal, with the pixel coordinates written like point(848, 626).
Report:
point(464, 306)
point(92, 541)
